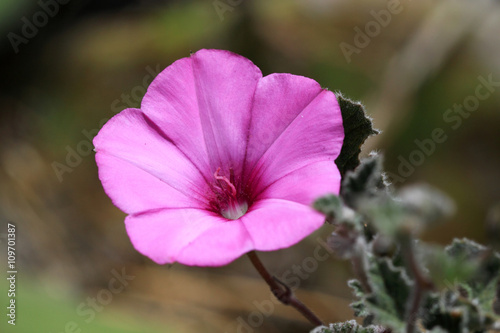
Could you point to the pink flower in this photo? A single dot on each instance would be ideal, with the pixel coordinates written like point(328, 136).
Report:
point(220, 161)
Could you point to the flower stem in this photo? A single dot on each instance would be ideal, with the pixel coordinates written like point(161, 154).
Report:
point(283, 292)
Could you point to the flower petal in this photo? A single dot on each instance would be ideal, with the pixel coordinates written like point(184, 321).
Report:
point(218, 245)
point(134, 190)
point(275, 223)
point(225, 85)
point(161, 235)
point(140, 169)
point(313, 134)
point(203, 103)
point(279, 100)
point(191, 237)
point(305, 184)
point(171, 103)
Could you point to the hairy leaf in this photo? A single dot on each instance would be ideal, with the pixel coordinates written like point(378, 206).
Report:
point(350, 326)
point(390, 292)
point(426, 203)
point(365, 182)
point(357, 128)
point(336, 211)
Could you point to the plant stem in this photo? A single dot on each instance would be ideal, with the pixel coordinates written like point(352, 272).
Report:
point(358, 265)
point(422, 283)
point(282, 292)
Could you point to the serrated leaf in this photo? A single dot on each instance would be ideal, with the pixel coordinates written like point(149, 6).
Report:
point(359, 309)
point(391, 286)
point(357, 128)
point(486, 298)
point(464, 248)
point(358, 306)
point(442, 311)
point(455, 313)
point(390, 291)
point(357, 288)
point(446, 271)
point(489, 261)
point(387, 318)
point(466, 305)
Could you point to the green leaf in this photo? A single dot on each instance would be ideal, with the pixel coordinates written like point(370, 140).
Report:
point(386, 215)
point(366, 182)
point(455, 313)
point(444, 270)
point(464, 248)
point(487, 297)
point(391, 287)
point(335, 210)
point(489, 261)
point(390, 292)
point(350, 326)
point(412, 209)
point(496, 301)
point(348, 225)
point(358, 306)
point(426, 203)
point(357, 128)
point(468, 303)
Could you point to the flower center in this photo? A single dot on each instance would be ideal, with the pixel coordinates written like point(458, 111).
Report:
point(228, 202)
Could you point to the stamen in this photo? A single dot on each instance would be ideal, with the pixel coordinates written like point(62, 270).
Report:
point(226, 181)
point(228, 202)
point(231, 175)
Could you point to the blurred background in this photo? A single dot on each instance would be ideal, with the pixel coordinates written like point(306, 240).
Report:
point(427, 71)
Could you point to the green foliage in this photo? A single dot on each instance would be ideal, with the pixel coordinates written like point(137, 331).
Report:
point(404, 285)
point(357, 128)
point(386, 299)
point(475, 296)
point(348, 327)
point(365, 182)
point(334, 209)
point(444, 268)
point(426, 203)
